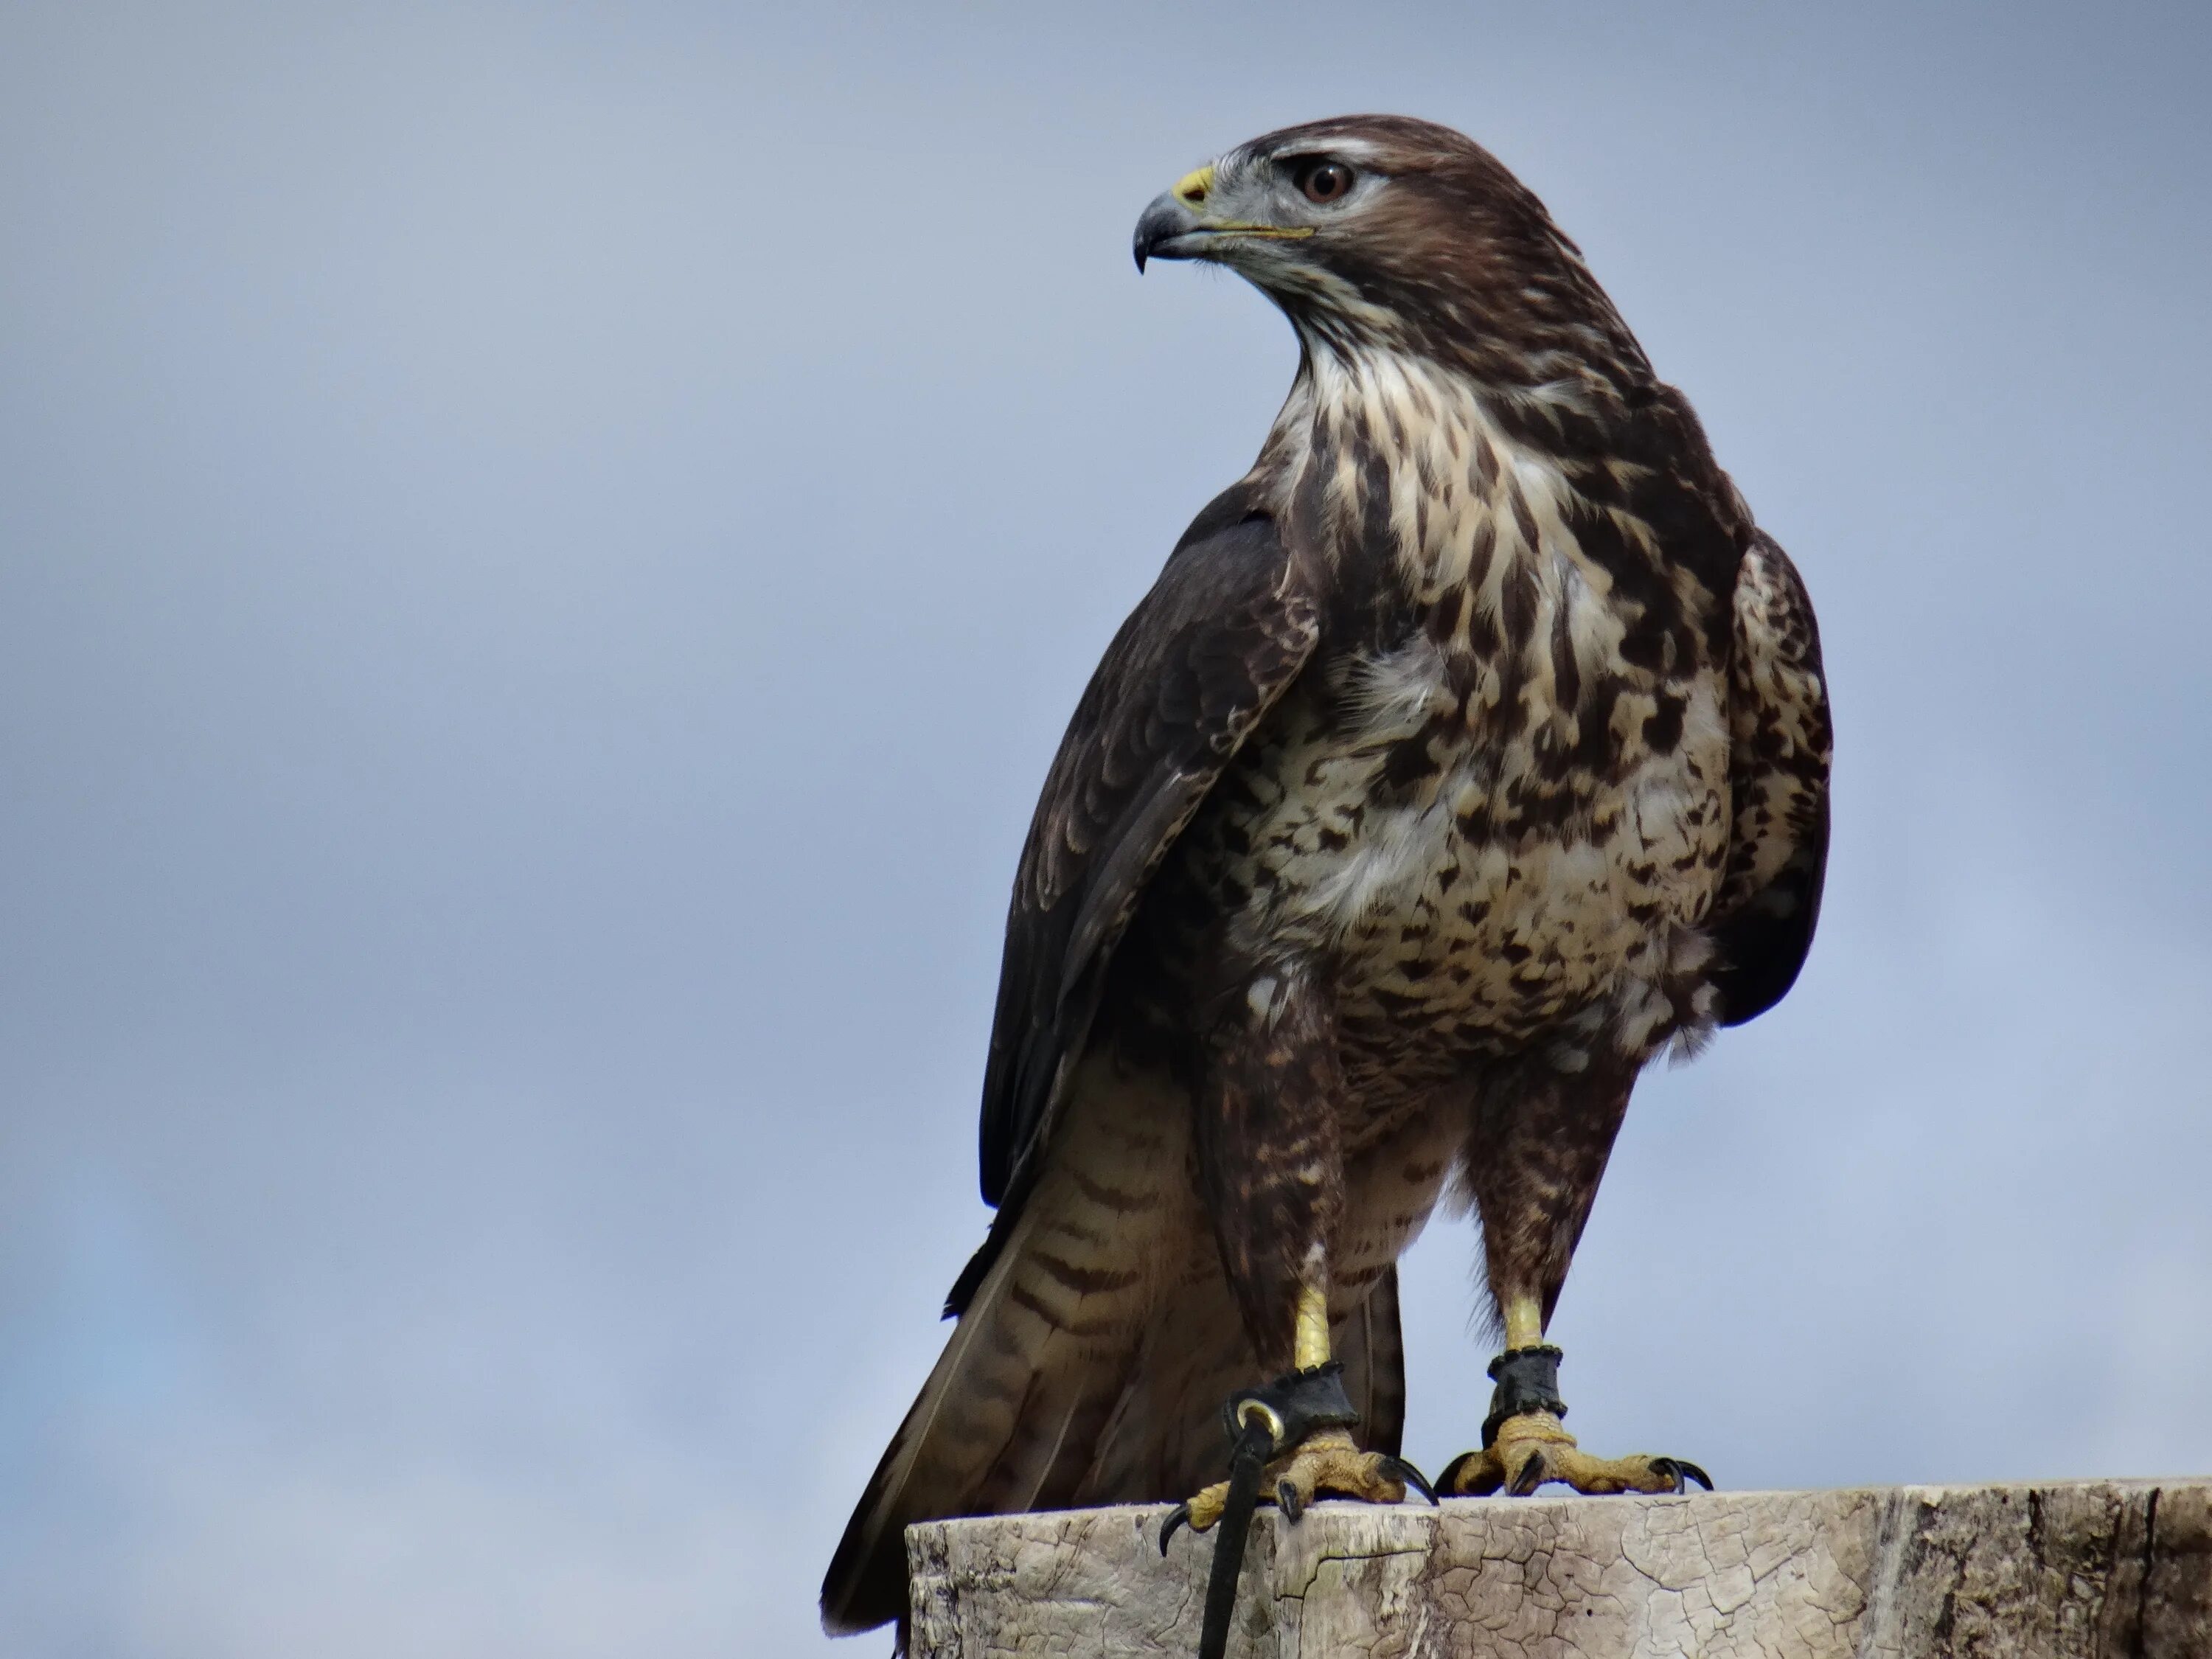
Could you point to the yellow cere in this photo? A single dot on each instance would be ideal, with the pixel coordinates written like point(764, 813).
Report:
point(1194, 187)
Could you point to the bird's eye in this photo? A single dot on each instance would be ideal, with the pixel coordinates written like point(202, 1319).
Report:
point(1324, 181)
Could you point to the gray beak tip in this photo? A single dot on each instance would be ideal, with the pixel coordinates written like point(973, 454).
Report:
point(1163, 222)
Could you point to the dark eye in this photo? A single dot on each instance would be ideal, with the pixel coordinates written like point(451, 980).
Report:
point(1324, 181)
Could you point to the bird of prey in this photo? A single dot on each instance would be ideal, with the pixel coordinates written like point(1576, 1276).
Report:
point(1470, 752)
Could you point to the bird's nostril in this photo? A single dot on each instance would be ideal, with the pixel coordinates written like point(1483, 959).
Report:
point(1194, 187)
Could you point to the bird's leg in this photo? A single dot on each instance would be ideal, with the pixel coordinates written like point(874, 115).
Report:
point(1303, 1422)
point(1535, 1154)
point(1524, 1444)
point(1271, 1169)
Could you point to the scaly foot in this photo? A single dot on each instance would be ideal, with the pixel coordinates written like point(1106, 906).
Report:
point(1524, 1444)
point(1329, 1465)
point(1534, 1448)
point(1301, 1423)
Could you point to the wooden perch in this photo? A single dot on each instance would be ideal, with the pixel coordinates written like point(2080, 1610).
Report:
point(2089, 1570)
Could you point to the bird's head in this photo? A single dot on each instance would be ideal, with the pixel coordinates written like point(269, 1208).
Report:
point(1379, 231)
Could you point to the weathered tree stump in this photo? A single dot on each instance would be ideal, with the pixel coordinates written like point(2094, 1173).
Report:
point(2112, 1570)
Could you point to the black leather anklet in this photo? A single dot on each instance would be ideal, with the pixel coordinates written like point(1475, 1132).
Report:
point(1294, 1404)
point(1528, 1381)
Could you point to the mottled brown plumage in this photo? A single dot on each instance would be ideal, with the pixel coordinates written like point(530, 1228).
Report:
point(1470, 751)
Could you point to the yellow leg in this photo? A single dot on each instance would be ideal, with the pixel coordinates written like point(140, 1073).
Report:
point(1310, 1338)
point(1535, 1448)
point(1328, 1462)
point(1524, 1322)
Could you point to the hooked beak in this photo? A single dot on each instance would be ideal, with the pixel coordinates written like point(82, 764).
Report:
point(1167, 230)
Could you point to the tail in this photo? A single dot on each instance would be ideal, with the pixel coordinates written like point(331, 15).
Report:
point(1011, 1416)
point(1091, 1364)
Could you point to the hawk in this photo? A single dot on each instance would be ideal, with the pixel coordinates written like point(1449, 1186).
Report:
point(1470, 752)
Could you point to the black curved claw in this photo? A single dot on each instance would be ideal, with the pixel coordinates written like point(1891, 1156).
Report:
point(1452, 1473)
point(1177, 1517)
point(1530, 1477)
point(1399, 1469)
point(1683, 1472)
point(1288, 1501)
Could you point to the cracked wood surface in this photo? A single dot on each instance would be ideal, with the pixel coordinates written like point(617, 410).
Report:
point(2086, 1570)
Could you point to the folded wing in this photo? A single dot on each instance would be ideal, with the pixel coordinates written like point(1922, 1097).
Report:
point(1780, 741)
point(1226, 627)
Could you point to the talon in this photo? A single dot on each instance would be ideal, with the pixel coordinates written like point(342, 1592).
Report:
point(1177, 1516)
point(1288, 1501)
point(1684, 1471)
point(1471, 1474)
point(1398, 1468)
point(1526, 1446)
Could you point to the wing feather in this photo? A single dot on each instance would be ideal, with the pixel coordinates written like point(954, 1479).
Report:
point(1226, 627)
point(1780, 743)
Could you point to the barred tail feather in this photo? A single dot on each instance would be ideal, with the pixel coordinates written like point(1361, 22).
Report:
point(1091, 1364)
point(1011, 1416)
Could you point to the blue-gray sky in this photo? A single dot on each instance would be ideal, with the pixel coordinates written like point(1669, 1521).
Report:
point(544, 550)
